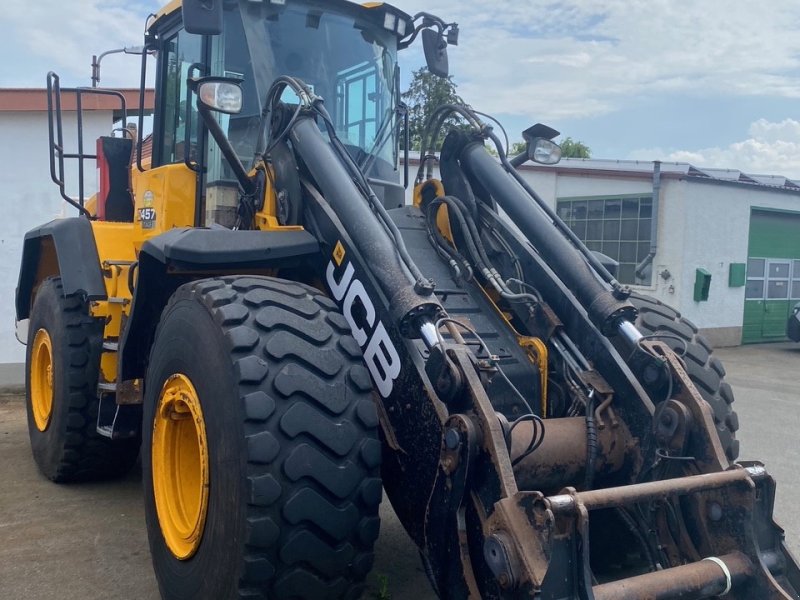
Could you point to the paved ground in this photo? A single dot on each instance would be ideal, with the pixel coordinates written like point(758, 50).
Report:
point(88, 542)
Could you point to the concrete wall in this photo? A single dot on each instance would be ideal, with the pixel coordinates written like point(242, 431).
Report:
point(30, 199)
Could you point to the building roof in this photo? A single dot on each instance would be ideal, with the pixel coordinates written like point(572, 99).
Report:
point(35, 100)
point(669, 170)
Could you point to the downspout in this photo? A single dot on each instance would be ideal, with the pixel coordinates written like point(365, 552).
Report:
point(653, 221)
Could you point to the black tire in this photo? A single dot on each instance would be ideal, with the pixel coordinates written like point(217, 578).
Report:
point(291, 426)
point(704, 369)
point(70, 449)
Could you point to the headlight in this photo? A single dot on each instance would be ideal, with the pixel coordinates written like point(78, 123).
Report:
point(545, 152)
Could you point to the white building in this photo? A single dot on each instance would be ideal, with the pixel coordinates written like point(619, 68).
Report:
point(742, 230)
point(30, 198)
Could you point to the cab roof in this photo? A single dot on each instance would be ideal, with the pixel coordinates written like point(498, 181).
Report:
point(175, 5)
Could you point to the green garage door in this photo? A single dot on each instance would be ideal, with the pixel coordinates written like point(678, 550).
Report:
point(773, 275)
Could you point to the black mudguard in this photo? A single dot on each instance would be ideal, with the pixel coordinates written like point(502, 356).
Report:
point(182, 255)
point(72, 241)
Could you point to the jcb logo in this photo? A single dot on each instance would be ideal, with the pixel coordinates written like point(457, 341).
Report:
point(380, 354)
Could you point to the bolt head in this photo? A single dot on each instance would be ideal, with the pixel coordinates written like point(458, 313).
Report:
point(452, 438)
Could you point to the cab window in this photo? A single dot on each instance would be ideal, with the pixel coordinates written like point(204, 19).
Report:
point(180, 52)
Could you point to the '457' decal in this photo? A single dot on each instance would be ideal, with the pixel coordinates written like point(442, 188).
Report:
point(380, 354)
point(147, 216)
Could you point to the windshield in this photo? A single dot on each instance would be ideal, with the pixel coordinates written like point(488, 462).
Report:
point(346, 59)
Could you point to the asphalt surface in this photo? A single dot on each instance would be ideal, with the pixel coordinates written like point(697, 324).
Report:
point(89, 542)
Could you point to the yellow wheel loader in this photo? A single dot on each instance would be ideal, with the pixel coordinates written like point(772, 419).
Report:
point(250, 300)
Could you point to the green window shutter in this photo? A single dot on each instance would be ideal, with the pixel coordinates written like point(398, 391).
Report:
point(702, 283)
point(736, 274)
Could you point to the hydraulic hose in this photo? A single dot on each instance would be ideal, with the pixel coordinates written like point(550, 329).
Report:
point(605, 309)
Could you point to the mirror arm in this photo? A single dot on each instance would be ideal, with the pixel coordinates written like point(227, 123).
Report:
point(403, 44)
point(519, 159)
point(247, 184)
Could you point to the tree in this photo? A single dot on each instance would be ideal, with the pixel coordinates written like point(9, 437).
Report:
point(574, 149)
point(424, 95)
point(569, 149)
point(517, 148)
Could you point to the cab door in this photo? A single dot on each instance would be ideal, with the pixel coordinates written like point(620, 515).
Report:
point(165, 195)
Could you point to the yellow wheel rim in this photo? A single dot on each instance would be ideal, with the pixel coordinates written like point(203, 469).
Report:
point(180, 466)
point(42, 379)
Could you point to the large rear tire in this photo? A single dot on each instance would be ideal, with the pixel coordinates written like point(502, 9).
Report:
point(704, 369)
point(261, 455)
point(62, 368)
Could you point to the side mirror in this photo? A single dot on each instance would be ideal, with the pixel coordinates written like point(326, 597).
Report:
point(220, 94)
point(203, 17)
point(435, 47)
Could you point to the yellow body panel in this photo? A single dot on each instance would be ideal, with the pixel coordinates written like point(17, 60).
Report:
point(169, 8)
point(116, 251)
point(163, 199)
point(442, 217)
point(266, 218)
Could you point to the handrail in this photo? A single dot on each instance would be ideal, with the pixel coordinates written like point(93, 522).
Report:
point(55, 127)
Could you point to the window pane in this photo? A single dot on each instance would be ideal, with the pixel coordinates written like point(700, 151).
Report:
point(779, 270)
point(579, 209)
point(594, 230)
point(594, 245)
point(627, 252)
point(611, 249)
point(564, 209)
point(754, 289)
point(796, 289)
point(613, 208)
point(644, 250)
point(630, 228)
point(796, 272)
point(646, 208)
point(630, 208)
point(778, 289)
point(579, 227)
point(626, 273)
point(644, 229)
point(611, 231)
point(595, 209)
point(755, 267)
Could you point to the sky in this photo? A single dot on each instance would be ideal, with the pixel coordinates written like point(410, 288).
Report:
point(711, 82)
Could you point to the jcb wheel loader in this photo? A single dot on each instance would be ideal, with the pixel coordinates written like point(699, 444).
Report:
point(250, 296)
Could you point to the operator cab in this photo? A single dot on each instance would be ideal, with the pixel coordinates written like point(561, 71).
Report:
point(345, 52)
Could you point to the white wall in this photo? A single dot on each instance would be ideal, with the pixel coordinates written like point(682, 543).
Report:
point(716, 221)
point(31, 199)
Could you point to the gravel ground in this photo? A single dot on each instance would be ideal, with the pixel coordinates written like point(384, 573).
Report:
point(81, 542)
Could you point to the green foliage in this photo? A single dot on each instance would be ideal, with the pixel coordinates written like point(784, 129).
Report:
point(569, 149)
point(383, 592)
point(574, 149)
point(517, 148)
point(424, 95)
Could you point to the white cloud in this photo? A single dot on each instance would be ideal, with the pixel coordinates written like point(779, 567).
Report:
point(771, 148)
point(537, 59)
point(583, 58)
point(63, 35)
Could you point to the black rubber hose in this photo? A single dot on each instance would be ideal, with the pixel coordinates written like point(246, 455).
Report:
point(591, 444)
point(630, 523)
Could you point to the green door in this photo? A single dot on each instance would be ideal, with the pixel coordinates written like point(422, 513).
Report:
point(773, 275)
